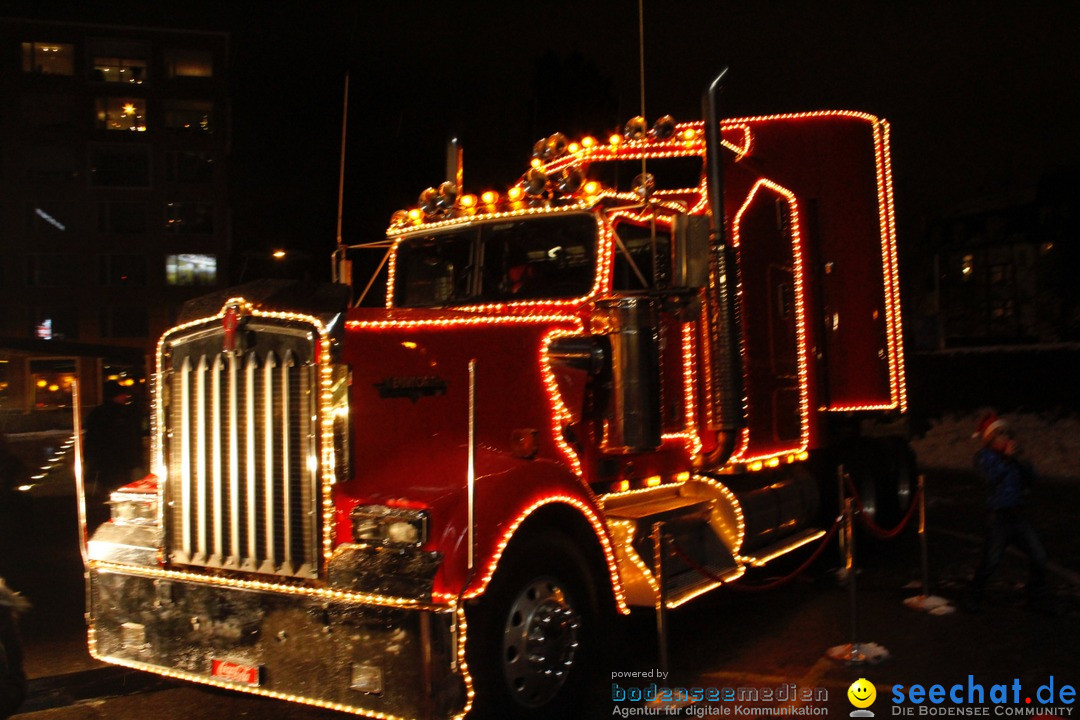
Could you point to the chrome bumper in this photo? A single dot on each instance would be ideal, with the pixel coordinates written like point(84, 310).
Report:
point(310, 646)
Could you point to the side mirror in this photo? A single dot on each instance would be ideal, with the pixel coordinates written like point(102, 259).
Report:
point(690, 251)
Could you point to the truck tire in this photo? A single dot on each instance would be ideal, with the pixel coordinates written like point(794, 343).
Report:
point(883, 471)
point(533, 636)
point(903, 477)
point(863, 464)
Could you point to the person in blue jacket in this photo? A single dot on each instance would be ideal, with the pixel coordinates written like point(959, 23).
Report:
point(1008, 479)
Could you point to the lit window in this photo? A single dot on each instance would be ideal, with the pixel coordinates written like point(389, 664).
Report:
point(52, 381)
point(190, 269)
point(188, 115)
point(48, 58)
point(189, 218)
point(967, 268)
point(5, 380)
point(120, 70)
point(116, 60)
point(115, 113)
point(189, 62)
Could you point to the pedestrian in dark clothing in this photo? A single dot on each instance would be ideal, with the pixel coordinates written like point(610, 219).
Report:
point(113, 440)
point(12, 675)
point(1008, 477)
point(11, 467)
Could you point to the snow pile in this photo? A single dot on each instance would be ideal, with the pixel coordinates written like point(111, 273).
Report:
point(1052, 443)
point(930, 604)
point(858, 653)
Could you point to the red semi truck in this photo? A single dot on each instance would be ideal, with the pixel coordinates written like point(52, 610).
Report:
point(410, 511)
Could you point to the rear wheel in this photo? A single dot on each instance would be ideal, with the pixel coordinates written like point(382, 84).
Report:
point(533, 635)
point(884, 475)
point(904, 474)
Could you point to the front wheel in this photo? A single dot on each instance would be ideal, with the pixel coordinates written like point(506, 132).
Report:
point(533, 635)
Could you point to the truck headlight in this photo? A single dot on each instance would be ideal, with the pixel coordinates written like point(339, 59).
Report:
point(393, 527)
point(128, 508)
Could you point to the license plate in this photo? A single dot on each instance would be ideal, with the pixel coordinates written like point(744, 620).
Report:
point(235, 672)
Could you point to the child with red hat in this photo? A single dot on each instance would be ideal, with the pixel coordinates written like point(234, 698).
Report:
point(1008, 477)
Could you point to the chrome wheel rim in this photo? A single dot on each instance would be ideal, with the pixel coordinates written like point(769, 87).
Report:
point(540, 642)
point(868, 496)
point(904, 489)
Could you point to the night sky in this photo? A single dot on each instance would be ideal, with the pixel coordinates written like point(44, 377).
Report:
point(981, 96)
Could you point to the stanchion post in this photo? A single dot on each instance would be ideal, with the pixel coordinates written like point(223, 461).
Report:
point(922, 537)
point(841, 509)
point(80, 490)
point(925, 602)
point(855, 656)
point(852, 653)
point(661, 595)
point(79, 470)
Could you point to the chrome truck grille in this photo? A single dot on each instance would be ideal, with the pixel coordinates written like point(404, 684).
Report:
point(241, 450)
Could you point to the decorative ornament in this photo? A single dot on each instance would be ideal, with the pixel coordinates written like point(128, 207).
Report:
point(535, 182)
point(636, 129)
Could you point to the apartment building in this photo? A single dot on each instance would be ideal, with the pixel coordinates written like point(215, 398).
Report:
point(114, 144)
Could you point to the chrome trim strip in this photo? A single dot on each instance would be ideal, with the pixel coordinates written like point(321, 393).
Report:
point(185, 458)
point(215, 454)
point(286, 417)
point(248, 557)
point(309, 421)
point(234, 469)
point(270, 562)
point(200, 462)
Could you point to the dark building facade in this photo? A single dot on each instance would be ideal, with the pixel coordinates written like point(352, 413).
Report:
point(114, 144)
point(1003, 275)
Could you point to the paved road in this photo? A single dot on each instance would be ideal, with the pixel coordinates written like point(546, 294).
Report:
point(776, 639)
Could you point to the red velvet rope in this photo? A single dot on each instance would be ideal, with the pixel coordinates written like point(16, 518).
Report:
point(705, 572)
point(872, 527)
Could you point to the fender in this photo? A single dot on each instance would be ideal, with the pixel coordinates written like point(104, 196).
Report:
point(504, 506)
point(508, 491)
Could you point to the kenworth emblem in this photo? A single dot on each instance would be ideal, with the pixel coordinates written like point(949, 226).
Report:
point(410, 387)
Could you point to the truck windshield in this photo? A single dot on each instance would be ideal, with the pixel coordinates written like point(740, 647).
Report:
point(528, 258)
point(673, 173)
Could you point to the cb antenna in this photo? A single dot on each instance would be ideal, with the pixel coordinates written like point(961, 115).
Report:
point(653, 249)
point(342, 269)
point(641, 55)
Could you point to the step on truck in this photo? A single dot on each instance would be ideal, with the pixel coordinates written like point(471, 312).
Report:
point(631, 376)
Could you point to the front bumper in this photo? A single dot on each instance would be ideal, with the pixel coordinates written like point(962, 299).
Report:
point(324, 648)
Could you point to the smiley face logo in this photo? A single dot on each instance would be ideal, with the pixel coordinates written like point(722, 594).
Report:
point(862, 693)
